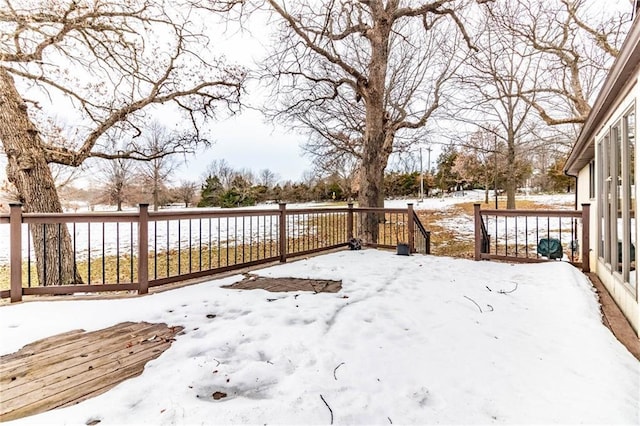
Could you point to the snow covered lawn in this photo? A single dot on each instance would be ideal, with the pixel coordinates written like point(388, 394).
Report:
point(408, 340)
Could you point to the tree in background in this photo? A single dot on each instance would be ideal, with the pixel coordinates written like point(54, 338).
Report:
point(494, 77)
point(156, 171)
point(478, 162)
point(211, 191)
point(446, 179)
point(359, 74)
point(106, 63)
point(559, 182)
point(116, 182)
point(186, 192)
point(577, 44)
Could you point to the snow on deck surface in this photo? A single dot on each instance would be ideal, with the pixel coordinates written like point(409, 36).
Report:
point(408, 340)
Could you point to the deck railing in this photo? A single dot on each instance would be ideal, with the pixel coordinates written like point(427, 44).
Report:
point(125, 251)
point(523, 235)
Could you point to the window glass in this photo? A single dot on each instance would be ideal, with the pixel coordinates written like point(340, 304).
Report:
point(616, 212)
point(630, 237)
point(601, 202)
point(607, 200)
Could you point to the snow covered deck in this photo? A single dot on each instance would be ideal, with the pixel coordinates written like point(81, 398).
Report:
point(408, 340)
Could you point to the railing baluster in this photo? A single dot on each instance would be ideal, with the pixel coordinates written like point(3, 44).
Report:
point(168, 249)
point(155, 249)
point(179, 246)
point(131, 253)
point(117, 252)
point(537, 236)
point(103, 255)
point(59, 253)
point(190, 245)
point(28, 255)
point(526, 237)
point(44, 256)
point(75, 265)
point(516, 228)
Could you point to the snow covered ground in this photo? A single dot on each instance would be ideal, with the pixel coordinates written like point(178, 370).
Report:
point(408, 340)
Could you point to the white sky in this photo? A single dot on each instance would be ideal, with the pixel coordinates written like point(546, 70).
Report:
point(246, 141)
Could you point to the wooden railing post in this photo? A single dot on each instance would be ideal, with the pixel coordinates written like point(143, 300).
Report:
point(350, 221)
point(411, 226)
point(585, 237)
point(143, 249)
point(283, 232)
point(15, 244)
point(477, 231)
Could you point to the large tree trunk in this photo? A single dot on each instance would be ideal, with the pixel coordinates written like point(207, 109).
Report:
point(377, 142)
point(371, 193)
point(28, 171)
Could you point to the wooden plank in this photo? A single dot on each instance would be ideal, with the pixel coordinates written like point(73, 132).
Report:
point(49, 342)
point(75, 367)
point(63, 363)
point(287, 284)
point(66, 377)
point(79, 346)
point(78, 386)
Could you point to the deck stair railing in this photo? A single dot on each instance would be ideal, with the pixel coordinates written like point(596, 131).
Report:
point(135, 250)
point(525, 235)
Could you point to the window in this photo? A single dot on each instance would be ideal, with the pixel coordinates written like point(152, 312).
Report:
point(613, 178)
point(629, 207)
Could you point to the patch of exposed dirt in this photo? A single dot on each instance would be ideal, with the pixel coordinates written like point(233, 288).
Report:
point(253, 282)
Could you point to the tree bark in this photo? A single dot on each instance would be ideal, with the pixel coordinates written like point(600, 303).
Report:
point(377, 135)
point(28, 171)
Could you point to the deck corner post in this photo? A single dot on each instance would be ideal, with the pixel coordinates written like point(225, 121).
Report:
point(15, 244)
point(411, 227)
point(143, 248)
point(350, 221)
point(585, 237)
point(476, 231)
point(283, 232)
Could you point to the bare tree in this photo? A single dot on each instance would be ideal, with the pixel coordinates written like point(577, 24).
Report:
point(186, 192)
point(107, 63)
point(477, 159)
point(577, 45)
point(344, 168)
point(156, 171)
point(359, 74)
point(495, 76)
point(267, 178)
point(115, 178)
point(223, 171)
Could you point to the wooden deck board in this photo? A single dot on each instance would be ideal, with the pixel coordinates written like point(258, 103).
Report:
point(71, 367)
point(287, 284)
point(45, 356)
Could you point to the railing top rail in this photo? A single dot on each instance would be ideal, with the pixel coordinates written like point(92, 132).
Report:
point(68, 217)
point(532, 213)
point(380, 210)
point(320, 210)
point(203, 213)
